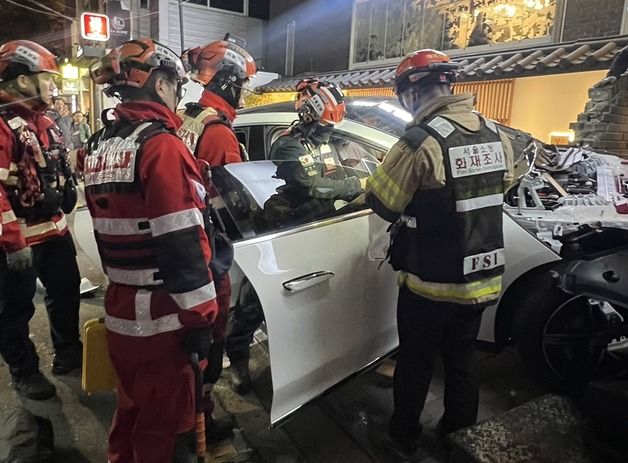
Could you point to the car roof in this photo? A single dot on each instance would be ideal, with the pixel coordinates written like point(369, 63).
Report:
point(288, 106)
point(380, 113)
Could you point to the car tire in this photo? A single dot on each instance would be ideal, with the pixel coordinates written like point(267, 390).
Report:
point(555, 333)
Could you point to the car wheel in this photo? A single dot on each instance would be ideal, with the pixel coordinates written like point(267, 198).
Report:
point(563, 339)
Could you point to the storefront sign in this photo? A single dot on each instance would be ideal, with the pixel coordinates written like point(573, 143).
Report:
point(70, 86)
point(95, 27)
point(120, 22)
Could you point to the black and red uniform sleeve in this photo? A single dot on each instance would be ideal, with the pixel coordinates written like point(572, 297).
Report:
point(218, 145)
point(11, 239)
point(174, 202)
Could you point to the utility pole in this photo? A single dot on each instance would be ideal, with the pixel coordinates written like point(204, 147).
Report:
point(134, 6)
point(181, 34)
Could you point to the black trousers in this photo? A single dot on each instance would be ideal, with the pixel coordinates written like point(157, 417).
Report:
point(425, 328)
point(55, 264)
point(16, 309)
point(246, 318)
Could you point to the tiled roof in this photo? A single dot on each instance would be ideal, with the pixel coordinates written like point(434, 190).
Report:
point(551, 59)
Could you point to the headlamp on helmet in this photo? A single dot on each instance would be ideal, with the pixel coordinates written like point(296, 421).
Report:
point(320, 101)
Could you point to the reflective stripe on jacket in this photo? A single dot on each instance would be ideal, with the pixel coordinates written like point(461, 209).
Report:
point(146, 198)
point(9, 229)
point(415, 182)
point(36, 202)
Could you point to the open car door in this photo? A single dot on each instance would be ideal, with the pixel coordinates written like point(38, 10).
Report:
point(329, 310)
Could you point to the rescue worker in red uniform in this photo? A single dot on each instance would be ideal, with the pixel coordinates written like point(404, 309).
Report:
point(17, 288)
point(147, 201)
point(37, 179)
point(442, 186)
point(223, 68)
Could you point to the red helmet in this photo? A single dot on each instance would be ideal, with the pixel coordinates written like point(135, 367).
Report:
point(421, 64)
point(222, 55)
point(32, 55)
point(320, 101)
point(132, 63)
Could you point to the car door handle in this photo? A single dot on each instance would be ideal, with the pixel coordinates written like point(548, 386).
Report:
point(307, 281)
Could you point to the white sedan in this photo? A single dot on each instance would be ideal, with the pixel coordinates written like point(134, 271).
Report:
point(328, 304)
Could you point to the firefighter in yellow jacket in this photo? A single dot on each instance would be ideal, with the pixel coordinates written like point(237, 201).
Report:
point(442, 186)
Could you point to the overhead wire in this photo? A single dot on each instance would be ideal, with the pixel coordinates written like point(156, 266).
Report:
point(34, 9)
point(52, 10)
point(57, 14)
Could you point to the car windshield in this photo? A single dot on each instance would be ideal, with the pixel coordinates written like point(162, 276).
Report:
point(384, 114)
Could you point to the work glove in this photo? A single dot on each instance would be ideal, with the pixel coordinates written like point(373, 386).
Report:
point(70, 196)
point(363, 183)
point(606, 81)
point(199, 340)
point(20, 260)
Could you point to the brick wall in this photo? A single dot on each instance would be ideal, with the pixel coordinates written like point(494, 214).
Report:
point(604, 123)
point(592, 18)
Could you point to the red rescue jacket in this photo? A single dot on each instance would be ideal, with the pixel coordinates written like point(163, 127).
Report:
point(218, 144)
point(32, 231)
point(147, 202)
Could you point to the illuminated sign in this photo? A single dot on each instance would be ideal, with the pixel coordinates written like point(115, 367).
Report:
point(69, 72)
point(70, 87)
point(562, 138)
point(95, 27)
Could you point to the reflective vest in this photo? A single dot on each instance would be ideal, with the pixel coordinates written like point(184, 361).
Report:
point(454, 234)
point(195, 120)
point(156, 266)
point(37, 175)
point(319, 160)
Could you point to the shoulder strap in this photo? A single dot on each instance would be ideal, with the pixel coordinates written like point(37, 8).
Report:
point(489, 123)
point(13, 121)
point(415, 136)
point(153, 128)
point(143, 130)
point(193, 109)
point(205, 116)
point(16, 124)
point(217, 118)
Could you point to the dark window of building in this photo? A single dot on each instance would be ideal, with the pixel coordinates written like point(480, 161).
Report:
point(259, 9)
point(198, 2)
point(236, 6)
point(144, 4)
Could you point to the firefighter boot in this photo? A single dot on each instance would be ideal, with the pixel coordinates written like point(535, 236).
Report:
point(241, 377)
point(216, 430)
point(34, 386)
point(67, 360)
point(185, 448)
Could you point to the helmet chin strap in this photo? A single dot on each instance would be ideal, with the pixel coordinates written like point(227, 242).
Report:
point(417, 99)
point(314, 133)
point(227, 89)
point(33, 103)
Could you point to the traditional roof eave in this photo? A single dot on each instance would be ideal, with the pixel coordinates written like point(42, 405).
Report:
point(566, 57)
